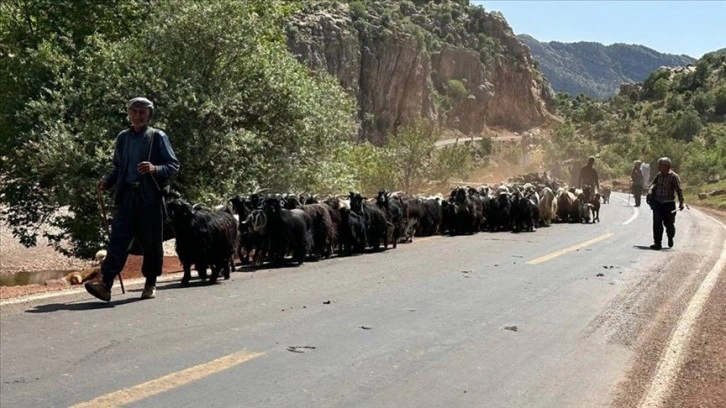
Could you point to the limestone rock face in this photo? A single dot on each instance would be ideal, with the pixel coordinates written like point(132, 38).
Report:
point(396, 77)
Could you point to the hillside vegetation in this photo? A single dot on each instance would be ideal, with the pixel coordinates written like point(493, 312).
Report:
point(242, 110)
point(597, 70)
point(679, 113)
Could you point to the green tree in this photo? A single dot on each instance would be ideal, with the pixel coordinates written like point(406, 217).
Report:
point(683, 125)
point(450, 162)
point(412, 150)
point(241, 111)
point(702, 102)
point(660, 89)
point(720, 100)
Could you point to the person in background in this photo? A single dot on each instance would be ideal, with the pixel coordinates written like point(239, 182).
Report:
point(662, 200)
point(645, 169)
point(588, 176)
point(636, 176)
point(143, 164)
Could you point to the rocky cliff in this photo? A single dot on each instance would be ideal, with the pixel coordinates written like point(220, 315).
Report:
point(446, 61)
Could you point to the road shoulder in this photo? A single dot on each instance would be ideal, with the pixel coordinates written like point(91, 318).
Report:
point(701, 378)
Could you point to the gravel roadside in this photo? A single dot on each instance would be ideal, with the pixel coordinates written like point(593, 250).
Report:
point(14, 257)
point(702, 380)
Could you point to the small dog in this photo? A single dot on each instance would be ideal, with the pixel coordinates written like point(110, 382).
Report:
point(606, 195)
point(79, 277)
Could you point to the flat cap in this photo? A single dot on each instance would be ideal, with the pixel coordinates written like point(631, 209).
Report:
point(140, 102)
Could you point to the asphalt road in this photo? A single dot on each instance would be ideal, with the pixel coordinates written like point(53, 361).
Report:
point(490, 320)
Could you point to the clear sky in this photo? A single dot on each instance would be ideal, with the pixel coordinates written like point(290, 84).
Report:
point(676, 27)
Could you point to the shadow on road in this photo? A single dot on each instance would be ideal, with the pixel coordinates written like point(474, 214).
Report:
point(648, 248)
point(89, 305)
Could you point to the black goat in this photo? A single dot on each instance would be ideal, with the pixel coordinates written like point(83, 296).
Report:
point(287, 230)
point(525, 211)
point(323, 229)
point(352, 238)
point(430, 218)
point(500, 212)
point(375, 221)
point(448, 217)
point(413, 211)
point(393, 210)
point(204, 238)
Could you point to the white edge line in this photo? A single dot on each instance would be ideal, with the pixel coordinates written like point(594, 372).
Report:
point(635, 215)
point(673, 356)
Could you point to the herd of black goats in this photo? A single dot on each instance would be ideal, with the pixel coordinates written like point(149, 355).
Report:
point(277, 228)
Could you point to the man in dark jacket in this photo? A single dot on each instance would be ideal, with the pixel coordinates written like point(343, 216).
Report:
point(588, 176)
point(143, 164)
point(662, 199)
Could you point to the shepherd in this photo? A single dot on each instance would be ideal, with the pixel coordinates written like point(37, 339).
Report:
point(143, 164)
point(662, 200)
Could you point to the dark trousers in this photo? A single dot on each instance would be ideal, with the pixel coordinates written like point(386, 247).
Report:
point(137, 219)
point(637, 193)
point(663, 215)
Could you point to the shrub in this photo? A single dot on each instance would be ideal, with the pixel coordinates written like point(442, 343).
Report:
point(720, 100)
point(456, 89)
point(702, 102)
point(683, 125)
point(358, 10)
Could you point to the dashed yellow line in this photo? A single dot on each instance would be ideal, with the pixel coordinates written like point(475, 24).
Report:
point(573, 248)
point(167, 382)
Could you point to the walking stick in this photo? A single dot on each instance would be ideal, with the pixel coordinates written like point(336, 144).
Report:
point(99, 196)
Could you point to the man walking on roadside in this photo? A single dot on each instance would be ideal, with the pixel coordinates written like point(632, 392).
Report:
point(143, 164)
point(661, 198)
point(588, 176)
point(637, 183)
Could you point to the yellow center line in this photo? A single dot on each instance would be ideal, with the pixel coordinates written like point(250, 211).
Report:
point(573, 248)
point(167, 382)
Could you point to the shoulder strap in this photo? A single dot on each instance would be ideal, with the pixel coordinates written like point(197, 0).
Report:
point(151, 132)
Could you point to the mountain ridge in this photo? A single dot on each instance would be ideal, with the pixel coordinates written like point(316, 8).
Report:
point(595, 69)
